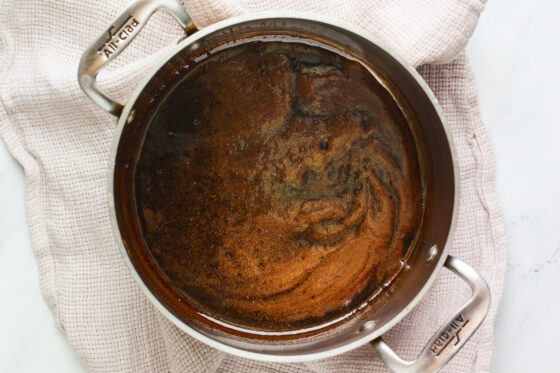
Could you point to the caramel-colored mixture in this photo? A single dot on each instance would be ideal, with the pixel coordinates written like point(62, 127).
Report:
point(278, 186)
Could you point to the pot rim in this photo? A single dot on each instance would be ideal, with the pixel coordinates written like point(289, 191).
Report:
point(368, 336)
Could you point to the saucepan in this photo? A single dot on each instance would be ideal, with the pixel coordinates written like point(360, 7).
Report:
point(436, 147)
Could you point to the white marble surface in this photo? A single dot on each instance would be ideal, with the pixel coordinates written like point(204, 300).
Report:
point(514, 54)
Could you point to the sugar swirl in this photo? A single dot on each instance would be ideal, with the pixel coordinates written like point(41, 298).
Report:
point(278, 186)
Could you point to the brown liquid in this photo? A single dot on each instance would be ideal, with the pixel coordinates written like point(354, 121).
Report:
point(278, 186)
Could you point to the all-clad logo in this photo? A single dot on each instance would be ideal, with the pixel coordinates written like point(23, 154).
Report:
point(449, 334)
point(118, 34)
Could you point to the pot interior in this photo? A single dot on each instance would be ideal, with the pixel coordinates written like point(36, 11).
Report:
point(437, 167)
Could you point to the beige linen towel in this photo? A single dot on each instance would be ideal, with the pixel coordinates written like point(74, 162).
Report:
point(63, 141)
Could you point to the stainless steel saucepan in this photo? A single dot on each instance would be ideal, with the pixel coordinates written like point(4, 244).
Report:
point(434, 143)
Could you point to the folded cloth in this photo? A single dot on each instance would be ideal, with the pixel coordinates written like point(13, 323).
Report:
point(62, 140)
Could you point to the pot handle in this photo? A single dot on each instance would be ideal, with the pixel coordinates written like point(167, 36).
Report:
point(117, 37)
point(449, 339)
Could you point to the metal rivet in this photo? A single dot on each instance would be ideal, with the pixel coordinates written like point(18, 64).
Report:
point(432, 254)
point(130, 116)
point(194, 46)
point(367, 326)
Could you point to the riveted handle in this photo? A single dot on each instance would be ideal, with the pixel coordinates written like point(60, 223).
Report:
point(449, 339)
point(117, 37)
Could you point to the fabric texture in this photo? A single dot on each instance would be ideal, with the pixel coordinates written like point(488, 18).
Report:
point(63, 140)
